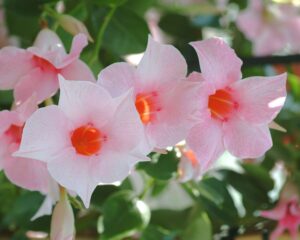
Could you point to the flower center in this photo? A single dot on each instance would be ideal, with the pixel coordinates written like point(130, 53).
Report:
point(221, 104)
point(146, 105)
point(44, 65)
point(15, 132)
point(87, 140)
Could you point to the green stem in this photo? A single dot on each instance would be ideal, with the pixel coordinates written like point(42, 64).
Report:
point(101, 34)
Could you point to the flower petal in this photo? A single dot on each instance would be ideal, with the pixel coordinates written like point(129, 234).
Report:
point(27, 173)
point(79, 42)
point(42, 84)
point(45, 134)
point(206, 140)
point(245, 140)
point(7, 118)
point(10, 57)
point(85, 102)
point(161, 64)
point(77, 70)
point(117, 78)
point(218, 62)
point(125, 129)
point(260, 98)
point(48, 41)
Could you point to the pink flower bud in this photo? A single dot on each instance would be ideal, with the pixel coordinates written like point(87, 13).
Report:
point(62, 224)
point(73, 26)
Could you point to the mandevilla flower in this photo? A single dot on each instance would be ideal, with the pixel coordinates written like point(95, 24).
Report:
point(233, 114)
point(162, 96)
point(24, 172)
point(287, 213)
point(87, 139)
point(36, 69)
point(271, 27)
point(189, 167)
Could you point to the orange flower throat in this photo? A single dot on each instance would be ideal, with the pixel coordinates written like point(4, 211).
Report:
point(221, 104)
point(146, 105)
point(87, 140)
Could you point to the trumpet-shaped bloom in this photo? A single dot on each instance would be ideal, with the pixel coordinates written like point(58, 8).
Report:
point(36, 69)
point(189, 167)
point(233, 114)
point(287, 214)
point(161, 96)
point(271, 27)
point(27, 173)
point(87, 140)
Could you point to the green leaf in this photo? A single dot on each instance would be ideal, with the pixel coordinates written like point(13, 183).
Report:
point(259, 175)
point(198, 225)
point(153, 232)
point(123, 215)
point(294, 82)
point(162, 166)
point(126, 33)
point(218, 202)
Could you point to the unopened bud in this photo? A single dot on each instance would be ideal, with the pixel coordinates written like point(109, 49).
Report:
point(73, 26)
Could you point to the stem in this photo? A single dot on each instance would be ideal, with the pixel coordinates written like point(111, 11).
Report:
point(101, 34)
point(49, 101)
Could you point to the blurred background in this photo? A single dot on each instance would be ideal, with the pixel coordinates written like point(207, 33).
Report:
point(157, 202)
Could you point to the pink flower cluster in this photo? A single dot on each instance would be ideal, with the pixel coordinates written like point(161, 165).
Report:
point(100, 130)
point(271, 27)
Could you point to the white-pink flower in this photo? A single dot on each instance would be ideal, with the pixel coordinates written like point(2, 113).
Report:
point(36, 69)
point(162, 95)
point(233, 114)
point(87, 140)
point(270, 27)
point(27, 173)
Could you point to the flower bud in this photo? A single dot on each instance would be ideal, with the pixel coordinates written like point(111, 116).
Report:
point(62, 224)
point(73, 26)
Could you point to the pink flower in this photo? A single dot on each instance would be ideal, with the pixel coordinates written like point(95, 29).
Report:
point(162, 97)
point(87, 140)
point(27, 173)
point(36, 69)
point(287, 213)
point(189, 167)
point(271, 27)
point(232, 114)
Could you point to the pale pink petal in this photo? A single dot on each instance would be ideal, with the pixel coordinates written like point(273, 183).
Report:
point(271, 40)
point(260, 98)
point(292, 27)
point(27, 173)
point(117, 78)
point(277, 232)
point(45, 209)
point(85, 102)
point(277, 213)
point(251, 23)
point(161, 64)
point(195, 77)
point(48, 41)
point(218, 62)
point(26, 109)
point(178, 115)
point(14, 64)
point(125, 130)
point(206, 140)
point(45, 134)
point(245, 140)
point(7, 118)
point(77, 70)
point(63, 222)
point(80, 41)
point(42, 84)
